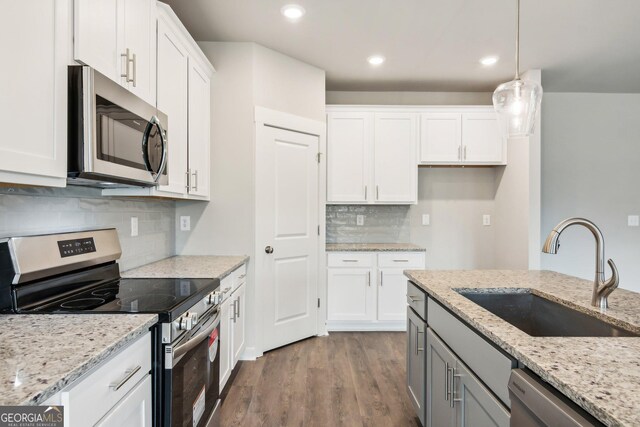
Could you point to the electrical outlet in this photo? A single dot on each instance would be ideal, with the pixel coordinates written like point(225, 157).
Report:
point(426, 219)
point(359, 219)
point(486, 220)
point(185, 223)
point(633, 221)
point(134, 226)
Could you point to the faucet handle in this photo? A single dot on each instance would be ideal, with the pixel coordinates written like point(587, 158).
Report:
point(612, 283)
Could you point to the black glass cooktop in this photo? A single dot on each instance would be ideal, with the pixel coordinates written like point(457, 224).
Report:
point(167, 297)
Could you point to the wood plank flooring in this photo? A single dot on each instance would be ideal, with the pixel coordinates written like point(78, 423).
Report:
point(346, 379)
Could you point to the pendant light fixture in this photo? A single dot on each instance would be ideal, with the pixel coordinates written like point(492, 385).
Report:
point(517, 102)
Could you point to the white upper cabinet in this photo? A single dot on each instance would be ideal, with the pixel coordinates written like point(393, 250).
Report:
point(440, 137)
point(395, 168)
point(461, 136)
point(199, 129)
point(118, 38)
point(33, 111)
point(173, 66)
point(184, 95)
point(348, 156)
point(481, 141)
point(371, 157)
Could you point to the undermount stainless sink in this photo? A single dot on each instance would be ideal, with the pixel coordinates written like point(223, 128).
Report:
point(540, 317)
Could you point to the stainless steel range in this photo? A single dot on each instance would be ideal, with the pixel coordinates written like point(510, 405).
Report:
point(78, 273)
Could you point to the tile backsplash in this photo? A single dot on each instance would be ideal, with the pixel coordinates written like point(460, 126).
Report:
point(382, 224)
point(44, 210)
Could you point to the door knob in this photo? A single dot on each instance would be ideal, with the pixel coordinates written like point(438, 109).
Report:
point(268, 249)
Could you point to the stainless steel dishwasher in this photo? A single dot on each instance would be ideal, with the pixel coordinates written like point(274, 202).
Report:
point(536, 404)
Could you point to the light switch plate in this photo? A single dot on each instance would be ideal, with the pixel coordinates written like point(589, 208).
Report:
point(486, 220)
point(359, 219)
point(426, 219)
point(633, 221)
point(134, 226)
point(185, 223)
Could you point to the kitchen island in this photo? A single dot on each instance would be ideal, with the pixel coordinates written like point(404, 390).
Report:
point(600, 374)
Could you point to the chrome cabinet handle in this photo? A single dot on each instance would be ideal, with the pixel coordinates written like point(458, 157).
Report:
point(135, 67)
point(418, 348)
point(369, 278)
point(349, 260)
point(195, 180)
point(125, 57)
point(400, 260)
point(236, 312)
point(453, 387)
point(447, 391)
point(381, 277)
point(377, 192)
point(465, 152)
point(129, 373)
point(413, 298)
point(365, 192)
point(242, 276)
point(459, 152)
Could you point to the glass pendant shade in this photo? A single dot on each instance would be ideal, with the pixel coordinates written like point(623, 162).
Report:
point(517, 103)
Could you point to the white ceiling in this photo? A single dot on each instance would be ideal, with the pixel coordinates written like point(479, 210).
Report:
point(435, 45)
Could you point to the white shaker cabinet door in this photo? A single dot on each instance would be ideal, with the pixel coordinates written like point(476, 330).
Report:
point(239, 323)
point(349, 142)
point(481, 139)
point(395, 166)
point(351, 294)
point(140, 38)
point(33, 83)
point(226, 341)
point(134, 410)
point(173, 66)
point(440, 138)
point(98, 36)
point(199, 130)
point(392, 290)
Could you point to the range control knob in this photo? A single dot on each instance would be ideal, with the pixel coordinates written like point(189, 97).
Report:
point(213, 298)
point(187, 321)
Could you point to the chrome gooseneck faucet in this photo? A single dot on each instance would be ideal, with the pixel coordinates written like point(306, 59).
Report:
point(601, 288)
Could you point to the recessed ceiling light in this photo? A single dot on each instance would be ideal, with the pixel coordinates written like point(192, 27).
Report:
point(376, 60)
point(488, 61)
point(293, 11)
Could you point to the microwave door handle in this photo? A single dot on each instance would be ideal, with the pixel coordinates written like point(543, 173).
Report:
point(183, 349)
point(154, 121)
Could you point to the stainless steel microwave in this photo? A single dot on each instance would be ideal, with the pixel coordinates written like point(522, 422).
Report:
point(115, 139)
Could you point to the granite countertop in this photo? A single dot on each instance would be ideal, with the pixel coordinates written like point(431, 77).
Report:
point(373, 247)
point(41, 354)
point(602, 375)
point(192, 267)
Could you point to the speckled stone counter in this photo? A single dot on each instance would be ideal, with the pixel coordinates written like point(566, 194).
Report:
point(602, 375)
point(41, 354)
point(193, 267)
point(373, 247)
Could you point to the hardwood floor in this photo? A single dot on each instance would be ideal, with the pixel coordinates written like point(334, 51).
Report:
point(346, 379)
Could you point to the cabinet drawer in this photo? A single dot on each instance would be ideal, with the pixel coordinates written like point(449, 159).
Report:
point(95, 394)
point(417, 300)
point(491, 365)
point(403, 260)
point(240, 276)
point(350, 259)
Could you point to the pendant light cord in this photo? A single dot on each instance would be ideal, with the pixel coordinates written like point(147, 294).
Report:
point(517, 39)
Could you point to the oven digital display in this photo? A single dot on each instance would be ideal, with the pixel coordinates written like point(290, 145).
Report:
point(76, 247)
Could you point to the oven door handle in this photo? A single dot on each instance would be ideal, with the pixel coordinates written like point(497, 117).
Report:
point(182, 349)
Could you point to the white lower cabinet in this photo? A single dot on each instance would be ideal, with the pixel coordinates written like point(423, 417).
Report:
point(134, 410)
point(232, 322)
point(367, 291)
point(116, 393)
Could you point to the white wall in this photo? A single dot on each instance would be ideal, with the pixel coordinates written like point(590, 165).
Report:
point(247, 75)
point(590, 158)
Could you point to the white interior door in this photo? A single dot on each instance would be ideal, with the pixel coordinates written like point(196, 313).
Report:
point(287, 234)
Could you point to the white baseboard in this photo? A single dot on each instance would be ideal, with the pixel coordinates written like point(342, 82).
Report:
point(351, 326)
point(249, 354)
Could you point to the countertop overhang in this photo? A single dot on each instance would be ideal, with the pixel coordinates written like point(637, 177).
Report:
point(373, 247)
point(602, 375)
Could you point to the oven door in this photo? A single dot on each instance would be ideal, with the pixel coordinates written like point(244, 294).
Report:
point(125, 139)
point(192, 383)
